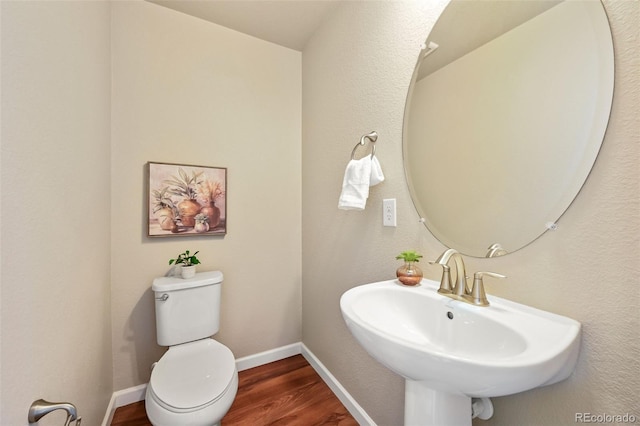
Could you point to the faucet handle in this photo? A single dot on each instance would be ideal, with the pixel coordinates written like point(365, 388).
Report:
point(478, 297)
point(445, 281)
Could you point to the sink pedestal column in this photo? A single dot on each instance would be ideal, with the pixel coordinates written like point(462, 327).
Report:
point(424, 406)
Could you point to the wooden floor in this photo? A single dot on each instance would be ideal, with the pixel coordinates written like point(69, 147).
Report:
point(286, 392)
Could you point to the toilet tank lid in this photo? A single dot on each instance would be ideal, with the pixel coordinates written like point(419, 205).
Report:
point(177, 283)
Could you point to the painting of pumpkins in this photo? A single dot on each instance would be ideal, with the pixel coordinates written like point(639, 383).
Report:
point(187, 200)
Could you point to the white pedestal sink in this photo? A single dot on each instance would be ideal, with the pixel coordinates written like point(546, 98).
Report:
point(450, 351)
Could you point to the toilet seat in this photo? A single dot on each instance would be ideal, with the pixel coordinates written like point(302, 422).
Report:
point(192, 375)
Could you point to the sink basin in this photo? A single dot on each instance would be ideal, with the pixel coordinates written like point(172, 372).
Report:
point(455, 350)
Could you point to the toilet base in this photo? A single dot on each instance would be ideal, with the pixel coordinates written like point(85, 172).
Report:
point(210, 415)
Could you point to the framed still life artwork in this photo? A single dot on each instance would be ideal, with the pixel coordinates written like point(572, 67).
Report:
point(186, 200)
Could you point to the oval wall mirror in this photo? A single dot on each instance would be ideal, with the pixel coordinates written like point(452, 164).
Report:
point(504, 119)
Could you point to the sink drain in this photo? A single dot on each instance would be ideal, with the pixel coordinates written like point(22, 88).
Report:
point(450, 315)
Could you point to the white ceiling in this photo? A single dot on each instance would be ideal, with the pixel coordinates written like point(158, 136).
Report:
point(289, 23)
point(463, 27)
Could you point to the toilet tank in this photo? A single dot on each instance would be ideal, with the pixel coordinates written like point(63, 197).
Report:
point(187, 309)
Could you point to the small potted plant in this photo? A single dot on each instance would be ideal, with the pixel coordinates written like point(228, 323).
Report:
point(409, 273)
point(188, 263)
point(201, 223)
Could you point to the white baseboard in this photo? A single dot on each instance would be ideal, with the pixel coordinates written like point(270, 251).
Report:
point(266, 357)
point(347, 400)
point(122, 398)
point(137, 393)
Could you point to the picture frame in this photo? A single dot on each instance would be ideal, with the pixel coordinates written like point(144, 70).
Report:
point(186, 200)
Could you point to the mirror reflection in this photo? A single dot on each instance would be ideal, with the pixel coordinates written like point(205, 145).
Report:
point(505, 117)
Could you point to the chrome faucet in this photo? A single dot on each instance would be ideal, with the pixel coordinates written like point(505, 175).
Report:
point(475, 296)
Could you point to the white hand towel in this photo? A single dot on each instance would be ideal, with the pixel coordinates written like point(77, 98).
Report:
point(358, 177)
point(376, 172)
point(355, 185)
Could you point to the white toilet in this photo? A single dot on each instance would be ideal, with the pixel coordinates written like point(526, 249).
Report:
point(196, 380)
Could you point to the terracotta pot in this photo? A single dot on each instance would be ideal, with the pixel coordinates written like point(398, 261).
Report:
point(409, 274)
point(188, 209)
point(213, 214)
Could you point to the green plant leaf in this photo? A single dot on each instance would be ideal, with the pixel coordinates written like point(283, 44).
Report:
point(409, 256)
point(186, 259)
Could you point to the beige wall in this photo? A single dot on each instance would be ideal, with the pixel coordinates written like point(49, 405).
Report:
point(80, 120)
point(356, 71)
point(187, 91)
point(56, 339)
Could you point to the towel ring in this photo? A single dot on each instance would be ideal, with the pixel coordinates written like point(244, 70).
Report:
point(373, 137)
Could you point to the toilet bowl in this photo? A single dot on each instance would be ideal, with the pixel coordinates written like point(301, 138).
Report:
point(192, 384)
